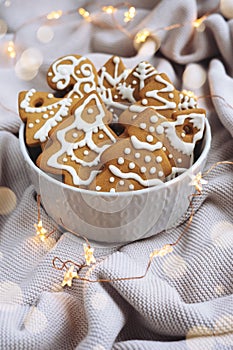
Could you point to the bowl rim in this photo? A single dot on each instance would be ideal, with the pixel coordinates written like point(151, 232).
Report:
point(207, 144)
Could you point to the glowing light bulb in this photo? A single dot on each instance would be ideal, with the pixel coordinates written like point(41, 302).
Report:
point(130, 14)
point(85, 14)
point(198, 181)
point(40, 231)
point(68, 277)
point(146, 43)
point(189, 93)
point(108, 9)
point(88, 253)
point(163, 251)
point(141, 36)
point(54, 14)
point(199, 24)
point(11, 49)
point(7, 3)
point(31, 59)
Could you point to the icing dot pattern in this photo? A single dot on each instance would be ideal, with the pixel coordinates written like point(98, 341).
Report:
point(154, 150)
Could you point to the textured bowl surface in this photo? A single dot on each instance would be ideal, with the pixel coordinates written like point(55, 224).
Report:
point(115, 217)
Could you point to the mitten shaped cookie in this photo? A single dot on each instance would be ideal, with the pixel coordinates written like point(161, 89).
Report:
point(42, 112)
point(77, 144)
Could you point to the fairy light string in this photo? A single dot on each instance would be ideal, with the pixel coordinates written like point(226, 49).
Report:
point(197, 181)
point(129, 16)
point(139, 38)
point(71, 268)
point(41, 232)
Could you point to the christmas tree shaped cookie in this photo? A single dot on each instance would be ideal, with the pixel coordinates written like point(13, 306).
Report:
point(78, 142)
point(158, 94)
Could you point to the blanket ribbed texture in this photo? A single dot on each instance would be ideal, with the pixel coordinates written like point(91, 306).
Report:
point(185, 301)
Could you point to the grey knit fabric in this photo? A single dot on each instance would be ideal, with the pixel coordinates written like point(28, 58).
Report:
point(185, 301)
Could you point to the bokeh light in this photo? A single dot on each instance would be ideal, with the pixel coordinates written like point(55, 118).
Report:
point(35, 321)
point(174, 266)
point(3, 28)
point(222, 234)
point(99, 301)
point(194, 76)
point(193, 338)
point(8, 200)
point(45, 34)
point(226, 8)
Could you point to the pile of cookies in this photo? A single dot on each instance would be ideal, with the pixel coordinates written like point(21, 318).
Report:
point(113, 130)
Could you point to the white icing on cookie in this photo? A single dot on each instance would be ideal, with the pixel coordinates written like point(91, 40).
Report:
point(131, 165)
point(149, 138)
point(127, 150)
point(112, 80)
point(186, 102)
point(143, 71)
point(126, 92)
point(69, 147)
point(61, 108)
point(143, 169)
point(137, 144)
point(146, 183)
point(154, 119)
point(120, 160)
point(152, 170)
point(63, 72)
point(156, 94)
point(142, 126)
point(198, 121)
point(159, 129)
point(147, 159)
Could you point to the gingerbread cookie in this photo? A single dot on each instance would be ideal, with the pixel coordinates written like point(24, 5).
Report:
point(42, 112)
point(178, 136)
point(117, 99)
point(158, 94)
point(78, 142)
point(132, 164)
point(120, 94)
point(73, 72)
point(111, 74)
point(139, 77)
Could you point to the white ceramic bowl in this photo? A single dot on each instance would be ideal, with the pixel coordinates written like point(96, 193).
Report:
point(115, 217)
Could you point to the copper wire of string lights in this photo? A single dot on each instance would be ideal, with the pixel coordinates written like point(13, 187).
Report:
point(197, 181)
